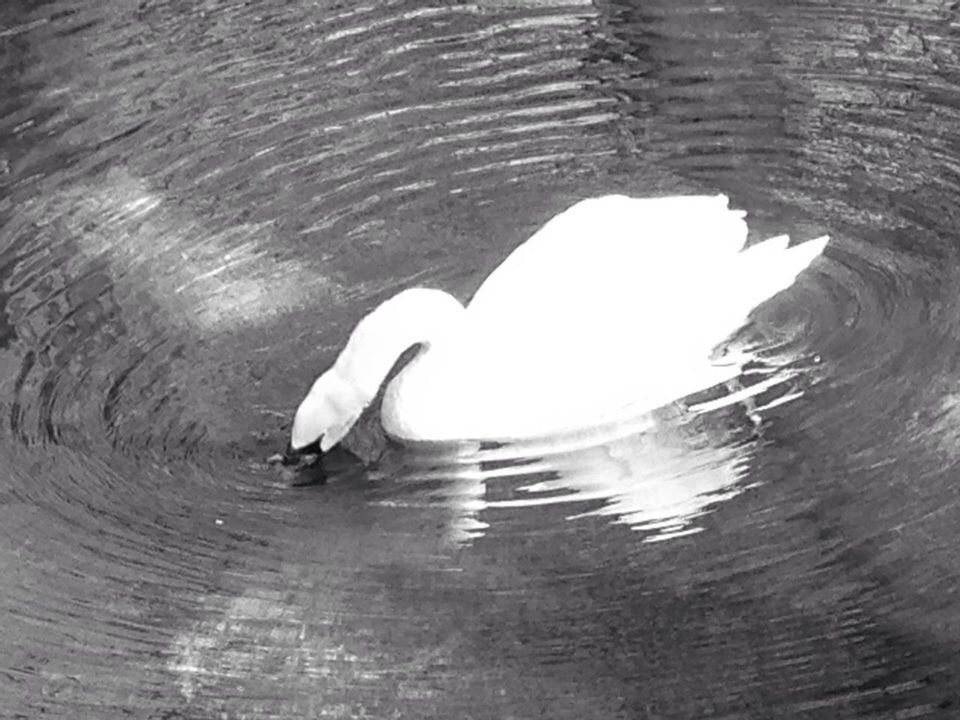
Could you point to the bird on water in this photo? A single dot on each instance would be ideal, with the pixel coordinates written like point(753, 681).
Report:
point(612, 309)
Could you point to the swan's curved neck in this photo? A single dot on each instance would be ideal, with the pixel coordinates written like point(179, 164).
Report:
point(411, 317)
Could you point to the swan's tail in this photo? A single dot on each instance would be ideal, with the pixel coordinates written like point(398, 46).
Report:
point(770, 267)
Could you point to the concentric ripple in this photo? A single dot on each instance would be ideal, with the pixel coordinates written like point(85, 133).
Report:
point(198, 200)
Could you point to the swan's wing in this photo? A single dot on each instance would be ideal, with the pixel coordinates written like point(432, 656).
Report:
point(605, 263)
point(607, 239)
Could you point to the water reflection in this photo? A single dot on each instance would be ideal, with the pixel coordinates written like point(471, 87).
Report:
point(657, 473)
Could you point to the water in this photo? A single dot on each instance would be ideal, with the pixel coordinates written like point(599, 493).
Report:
point(200, 199)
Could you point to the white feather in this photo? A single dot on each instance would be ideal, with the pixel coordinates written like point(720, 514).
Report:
point(611, 309)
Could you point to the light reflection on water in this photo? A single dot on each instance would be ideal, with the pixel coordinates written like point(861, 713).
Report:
point(648, 485)
point(656, 474)
point(198, 201)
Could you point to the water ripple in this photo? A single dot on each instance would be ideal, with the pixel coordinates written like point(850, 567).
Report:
point(199, 200)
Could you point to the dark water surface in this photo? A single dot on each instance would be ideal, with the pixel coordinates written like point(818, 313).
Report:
point(199, 199)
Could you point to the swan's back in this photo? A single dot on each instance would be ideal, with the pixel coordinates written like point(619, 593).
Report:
point(615, 273)
point(615, 302)
point(612, 238)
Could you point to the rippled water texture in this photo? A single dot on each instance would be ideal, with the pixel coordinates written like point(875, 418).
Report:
point(199, 200)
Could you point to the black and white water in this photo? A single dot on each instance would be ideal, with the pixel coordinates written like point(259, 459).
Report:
point(199, 199)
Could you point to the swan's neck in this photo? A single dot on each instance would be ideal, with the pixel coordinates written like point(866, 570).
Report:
point(411, 317)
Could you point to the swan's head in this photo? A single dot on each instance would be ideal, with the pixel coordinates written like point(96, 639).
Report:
point(327, 413)
point(377, 348)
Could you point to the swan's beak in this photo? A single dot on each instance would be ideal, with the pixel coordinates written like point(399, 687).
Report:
point(311, 472)
point(292, 457)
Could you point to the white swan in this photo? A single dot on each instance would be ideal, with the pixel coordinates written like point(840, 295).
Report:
point(611, 309)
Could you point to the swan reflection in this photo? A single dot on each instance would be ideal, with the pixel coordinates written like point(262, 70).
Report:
point(658, 474)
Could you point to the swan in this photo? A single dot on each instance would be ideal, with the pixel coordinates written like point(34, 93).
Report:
point(610, 310)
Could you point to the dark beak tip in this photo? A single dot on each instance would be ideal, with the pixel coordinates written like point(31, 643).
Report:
point(292, 456)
